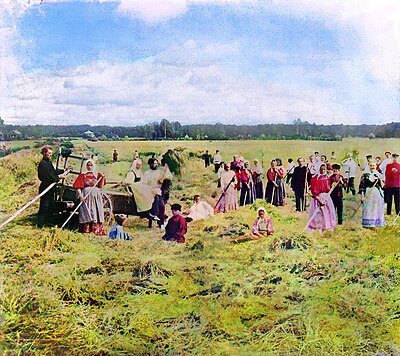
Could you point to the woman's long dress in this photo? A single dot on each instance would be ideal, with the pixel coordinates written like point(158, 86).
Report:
point(275, 195)
point(228, 200)
point(91, 211)
point(321, 217)
point(373, 206)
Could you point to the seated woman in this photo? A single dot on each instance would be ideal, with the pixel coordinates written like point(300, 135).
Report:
point(91, 211)
point(262, 226)
point(200, 210)
point(135, 172)
point(143, 194)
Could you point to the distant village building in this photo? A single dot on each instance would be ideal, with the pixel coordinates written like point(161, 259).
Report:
point(88, 134)
point(15, 134)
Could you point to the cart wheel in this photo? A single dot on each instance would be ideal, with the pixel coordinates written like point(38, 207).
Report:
point(108, 209)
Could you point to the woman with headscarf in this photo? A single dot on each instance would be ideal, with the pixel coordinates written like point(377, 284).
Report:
point(247, 195)
point(258, 171)
point(372, 197)
point(91, 211)
point(275, 191)
point(263, 225)
point(135, 172)
point(228, 200)
point(321, 215)
point(143, 194)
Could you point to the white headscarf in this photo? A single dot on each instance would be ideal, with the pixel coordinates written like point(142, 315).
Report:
point(94, 169)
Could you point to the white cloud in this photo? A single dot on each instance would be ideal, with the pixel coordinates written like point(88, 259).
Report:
point(377, 23)
point(123, 94)
point(154, 11)
point(189, 82)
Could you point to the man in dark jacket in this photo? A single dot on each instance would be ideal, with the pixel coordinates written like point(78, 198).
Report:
point(298, 183)
point(337, 192)
point(47, 175)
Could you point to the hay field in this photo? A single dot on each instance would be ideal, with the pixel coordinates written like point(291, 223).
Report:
point(64, 293)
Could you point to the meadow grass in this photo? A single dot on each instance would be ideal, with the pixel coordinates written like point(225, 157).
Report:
point(65, 293)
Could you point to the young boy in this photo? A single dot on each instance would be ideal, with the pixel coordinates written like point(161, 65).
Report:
point(337, 193)
point(177, 226)
point(117, 231)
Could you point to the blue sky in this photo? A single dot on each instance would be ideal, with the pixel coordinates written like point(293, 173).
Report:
point(129, 62)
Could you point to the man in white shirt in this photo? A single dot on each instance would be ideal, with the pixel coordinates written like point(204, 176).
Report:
point(350, 168)
point(217, 161)
point(388, 159)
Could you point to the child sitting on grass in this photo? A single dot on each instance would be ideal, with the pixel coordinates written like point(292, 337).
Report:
point(117, 231)
point(177, 226)
point(262, 226)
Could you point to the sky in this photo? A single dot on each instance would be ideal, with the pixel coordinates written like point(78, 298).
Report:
point(132, 62)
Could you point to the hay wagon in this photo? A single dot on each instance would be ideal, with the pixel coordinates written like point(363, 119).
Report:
point(66, 199)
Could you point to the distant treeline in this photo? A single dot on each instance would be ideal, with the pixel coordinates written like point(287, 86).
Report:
point(298, 130)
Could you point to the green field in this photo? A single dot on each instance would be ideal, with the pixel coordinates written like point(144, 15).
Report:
point(65, 293)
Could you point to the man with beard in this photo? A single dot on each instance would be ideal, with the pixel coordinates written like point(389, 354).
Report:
point(47, 175)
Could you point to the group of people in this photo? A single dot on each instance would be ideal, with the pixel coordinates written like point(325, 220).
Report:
point(378, 184)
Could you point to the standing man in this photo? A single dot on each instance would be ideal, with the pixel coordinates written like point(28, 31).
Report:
point(337, 192)
point(217, 161)
point(388, 159)
point(206, 157)
point(392, 184)
point(365, 168)
point(298, 183)
point(350, 172)
point(47, 175)
point(115, 156)
point(333, 157)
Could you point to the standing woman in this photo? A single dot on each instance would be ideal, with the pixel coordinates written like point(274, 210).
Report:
point(275, 191)
point(246, 185)
point(321, 215)
point(271, 183)
point(91, 212)
point(281, 192)
point(372, 197)
point(257, 179)
point(228, 200)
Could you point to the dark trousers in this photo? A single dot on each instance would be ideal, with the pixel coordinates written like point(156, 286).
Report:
point(158, 209)
point(391, 193)
point(299, 194)
point(338, 204)
point(46, 209)
point(246, 196)
point(350, 186)
point(217, 166)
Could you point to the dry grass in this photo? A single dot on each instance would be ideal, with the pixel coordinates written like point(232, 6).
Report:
point(66, 293)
